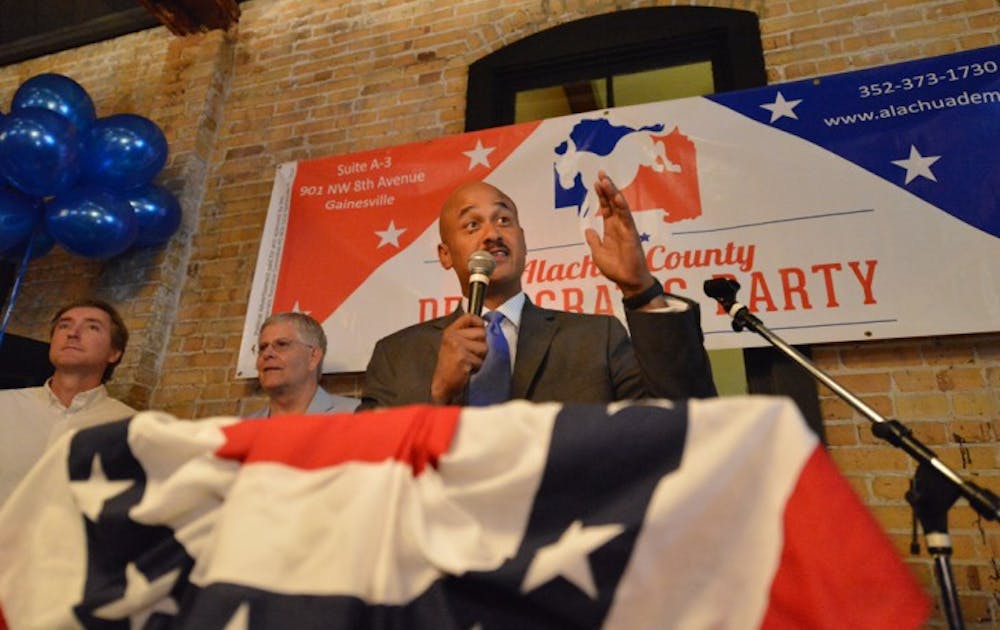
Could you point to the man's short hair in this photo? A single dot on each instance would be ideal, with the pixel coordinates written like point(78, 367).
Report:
point(309, 329)
point(119, 332)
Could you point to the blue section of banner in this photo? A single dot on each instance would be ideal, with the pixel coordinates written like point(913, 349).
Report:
point(930, 126)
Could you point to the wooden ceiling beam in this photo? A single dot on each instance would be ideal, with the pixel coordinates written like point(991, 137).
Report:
point(185, 17)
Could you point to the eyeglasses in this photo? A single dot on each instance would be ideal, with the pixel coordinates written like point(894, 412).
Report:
point(280, 346)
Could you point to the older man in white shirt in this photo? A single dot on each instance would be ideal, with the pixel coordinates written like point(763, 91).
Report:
point(86, 342)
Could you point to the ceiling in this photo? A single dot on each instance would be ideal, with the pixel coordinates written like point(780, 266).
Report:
point(32, 28)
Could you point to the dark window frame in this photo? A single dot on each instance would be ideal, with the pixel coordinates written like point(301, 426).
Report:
point(616, 43)
point(633, 41)
point(33, 30)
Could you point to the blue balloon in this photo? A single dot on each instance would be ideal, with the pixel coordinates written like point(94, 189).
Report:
point(39, 152)
point(157, 212)
point(59, 94)
point(3, 178)
point(41, 244)
point(18, 217)
point(123, 151)
point(91, 222)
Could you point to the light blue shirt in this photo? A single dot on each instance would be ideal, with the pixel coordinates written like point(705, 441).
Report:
point(322, 402)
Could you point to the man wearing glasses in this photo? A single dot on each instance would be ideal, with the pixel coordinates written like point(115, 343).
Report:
point(290, 350)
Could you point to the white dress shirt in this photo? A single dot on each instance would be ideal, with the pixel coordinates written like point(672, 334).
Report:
point(32, 418)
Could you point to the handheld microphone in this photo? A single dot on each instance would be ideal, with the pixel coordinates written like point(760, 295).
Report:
point(481, 264)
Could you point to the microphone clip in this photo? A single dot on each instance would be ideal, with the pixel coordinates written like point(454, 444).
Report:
point(723, 290)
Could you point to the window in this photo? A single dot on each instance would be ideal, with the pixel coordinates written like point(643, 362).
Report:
point(633, 88)
point(619, 49)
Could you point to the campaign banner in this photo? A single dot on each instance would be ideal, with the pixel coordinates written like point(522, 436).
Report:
point(855, 206)
point(723, 513)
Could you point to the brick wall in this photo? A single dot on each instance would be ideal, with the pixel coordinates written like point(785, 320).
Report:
point(946, 390)
point(301, 79)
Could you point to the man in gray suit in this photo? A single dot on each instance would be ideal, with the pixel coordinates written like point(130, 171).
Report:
point(553, 355)
point(290, 351)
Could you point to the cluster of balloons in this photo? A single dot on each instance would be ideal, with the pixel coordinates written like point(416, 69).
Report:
point(83, 182)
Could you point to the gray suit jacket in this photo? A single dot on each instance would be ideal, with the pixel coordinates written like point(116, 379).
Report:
point(566, 357)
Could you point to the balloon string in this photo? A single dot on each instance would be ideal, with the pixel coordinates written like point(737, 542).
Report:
point(16, 288)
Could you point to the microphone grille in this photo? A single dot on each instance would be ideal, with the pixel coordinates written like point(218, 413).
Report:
point(482, 262)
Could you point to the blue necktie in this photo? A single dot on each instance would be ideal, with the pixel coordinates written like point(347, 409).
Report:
point(491, 384)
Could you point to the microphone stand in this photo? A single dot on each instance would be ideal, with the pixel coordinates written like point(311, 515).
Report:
point(934, 488)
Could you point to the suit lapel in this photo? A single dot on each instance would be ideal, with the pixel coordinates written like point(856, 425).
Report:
point(534, 337)
point(443, 322)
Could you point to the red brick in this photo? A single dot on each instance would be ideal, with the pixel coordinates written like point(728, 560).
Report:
point(860, 458)
point(892, 488)
point(981, 404)
point(841, 434)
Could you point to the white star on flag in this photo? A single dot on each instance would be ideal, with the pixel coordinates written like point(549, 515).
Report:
point(390, 235)
point(917, 165)
point(781, 108)
point(150, 597)
point(240, 619)
point(568, 557)
point(298, 309)
point(92, 493)
point(479, 155)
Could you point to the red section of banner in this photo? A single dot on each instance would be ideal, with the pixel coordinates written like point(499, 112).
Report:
point(373, 205)
point(672, 184)
point(415, 435)
point(838, 569)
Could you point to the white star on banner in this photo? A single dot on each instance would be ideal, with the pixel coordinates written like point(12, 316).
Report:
point(568, 557)
point(389, 235)
point(92, 493)
point(917, 165)
point(298, 309)
point(781, 108)
point(240, 619)
point(479, 155)
point(142, 595)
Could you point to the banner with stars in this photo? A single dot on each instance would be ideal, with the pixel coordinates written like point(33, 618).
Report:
point(857, 206)
point(723, 513)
